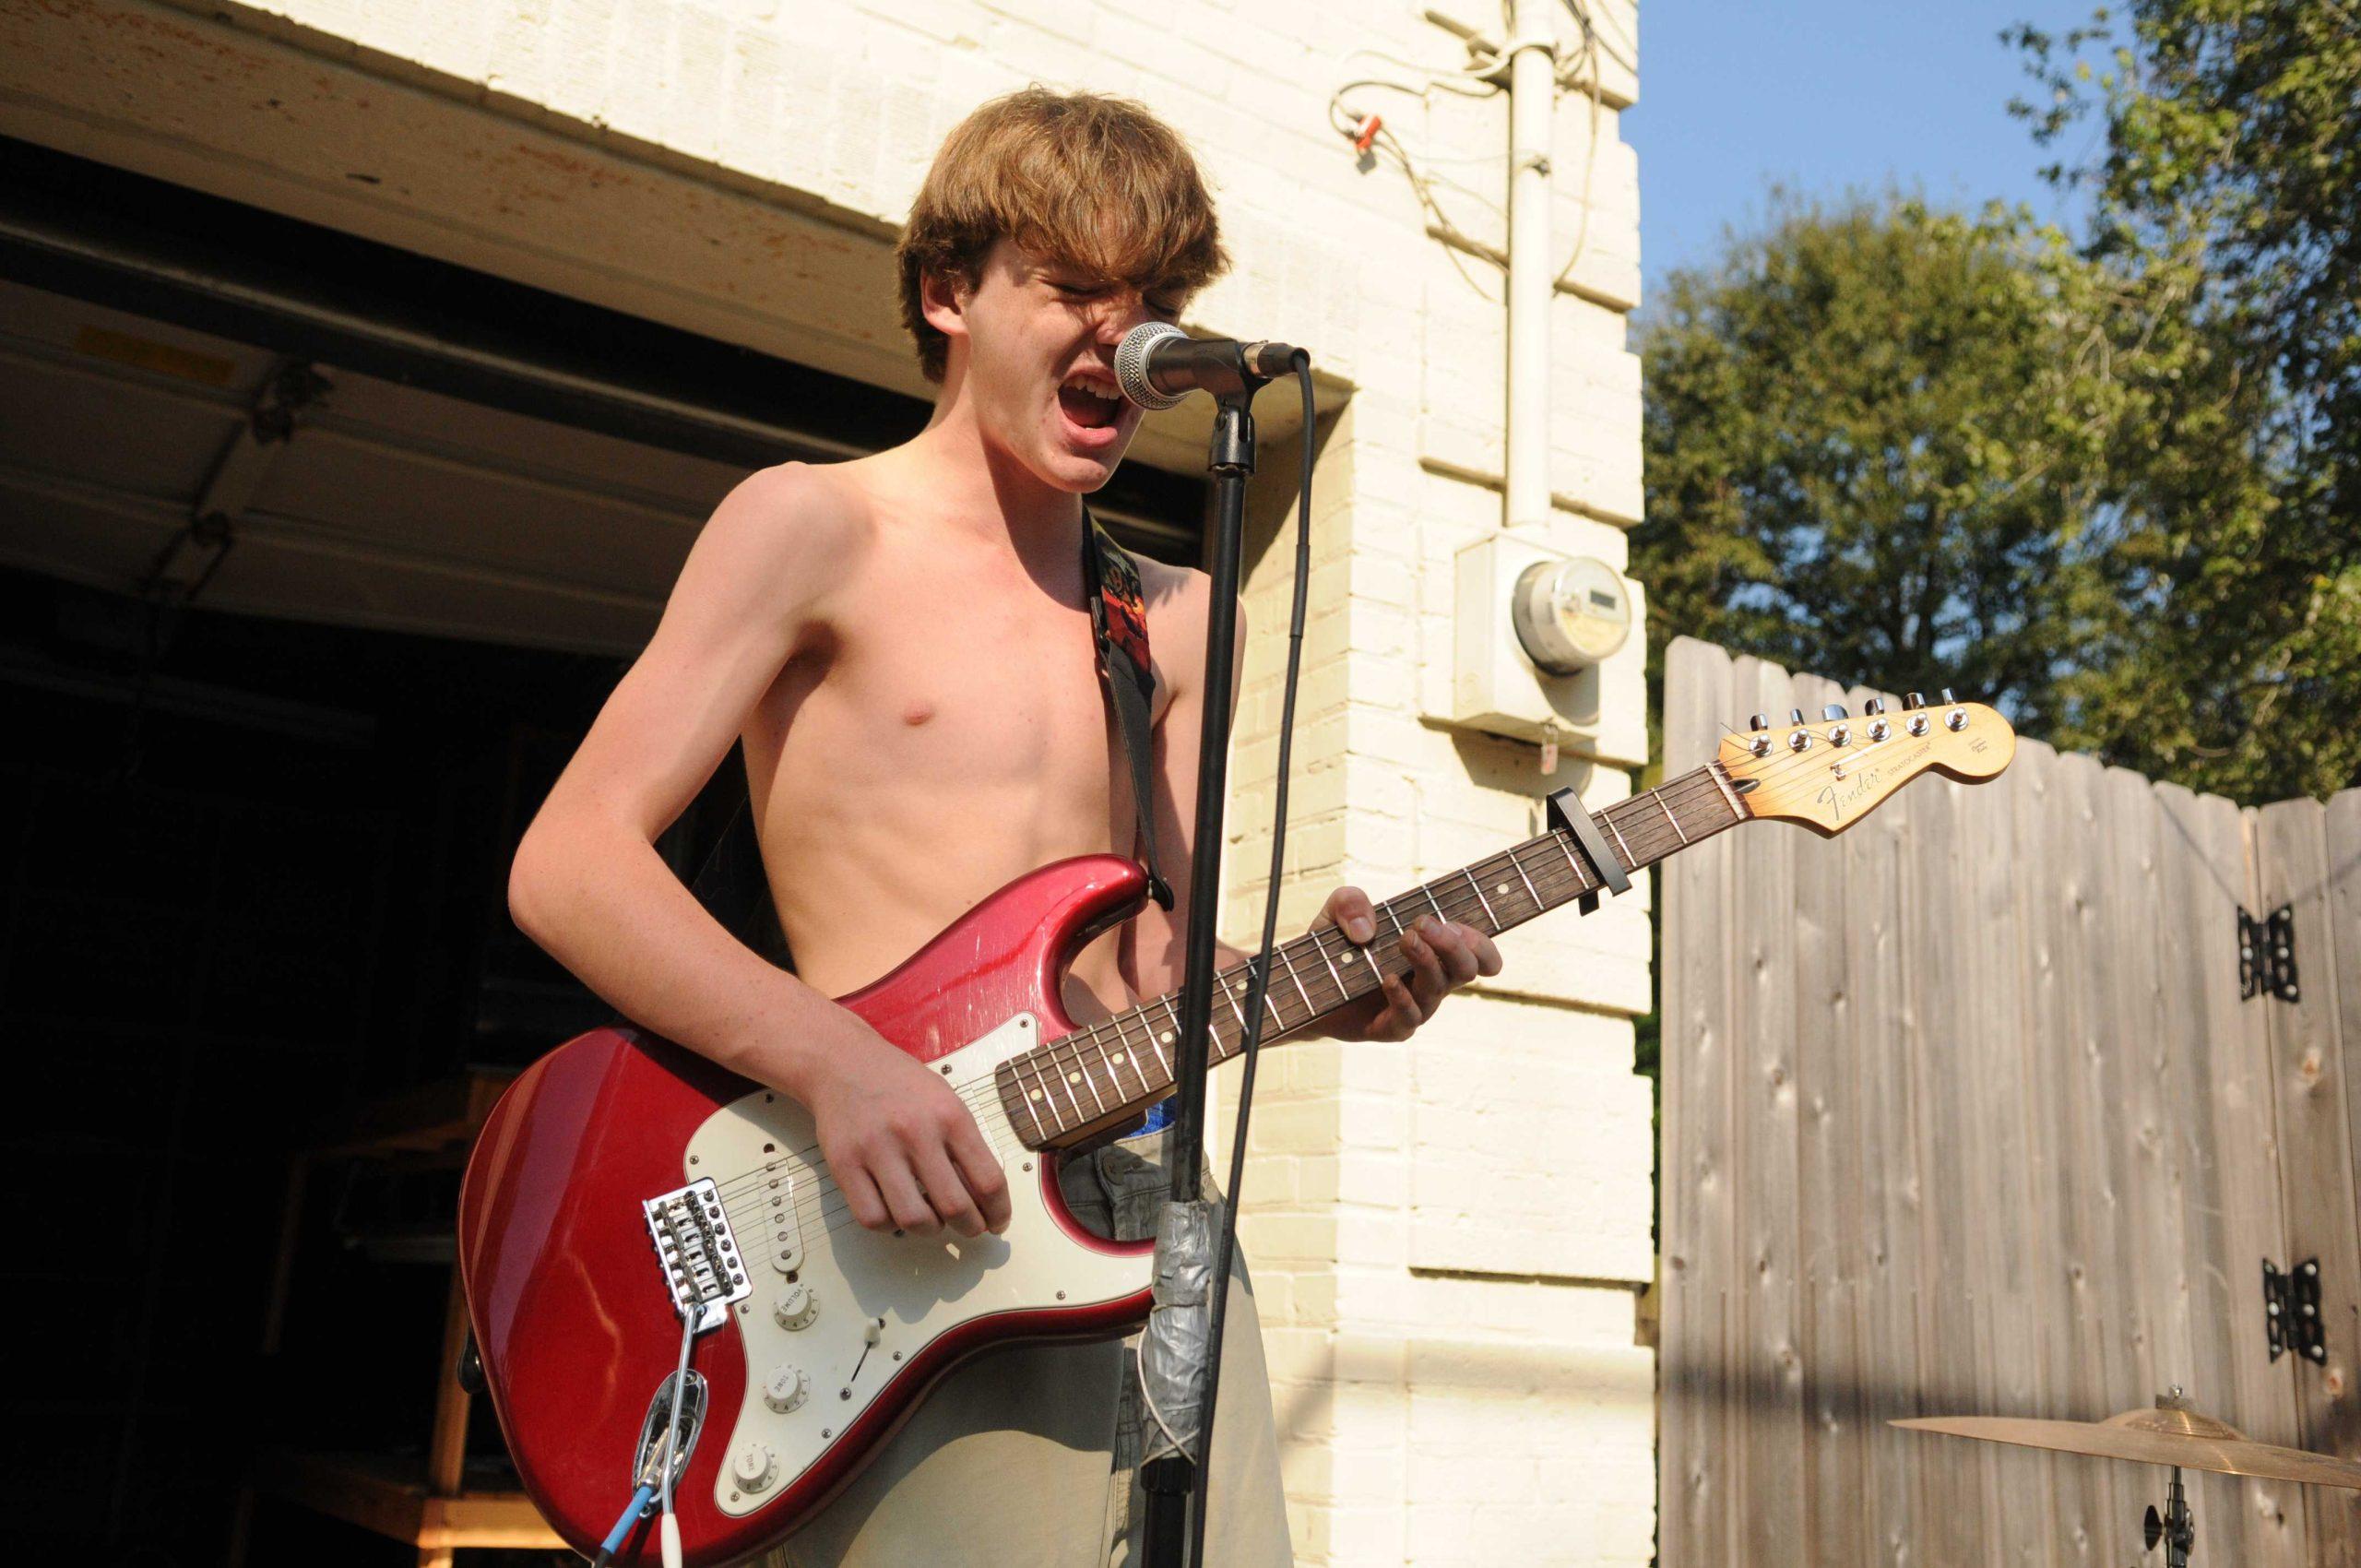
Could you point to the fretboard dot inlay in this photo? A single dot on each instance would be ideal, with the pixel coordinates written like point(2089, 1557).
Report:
point(1317, 979)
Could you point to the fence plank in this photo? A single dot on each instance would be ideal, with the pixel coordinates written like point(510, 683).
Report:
point(1700, 1434)
point(2227, 1144)
point(2010, 1375)
point(2052, 1229)
point(1827, 1191)
point(1962, 1114)
point(1892, 1189)
point(1764, 1053)
point(2315, 1145)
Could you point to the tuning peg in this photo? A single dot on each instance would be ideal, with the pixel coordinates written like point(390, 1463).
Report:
point(1833, 711)
point(1759, 722)
point(1796, 716)
point(1913, 700)
point(1948, 698)
point(1874, 706)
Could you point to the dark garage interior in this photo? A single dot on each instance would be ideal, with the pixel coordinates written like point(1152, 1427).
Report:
point(315, 559)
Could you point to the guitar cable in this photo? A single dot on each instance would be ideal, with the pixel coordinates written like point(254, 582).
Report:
point(655, 1489)
point(1260, 971)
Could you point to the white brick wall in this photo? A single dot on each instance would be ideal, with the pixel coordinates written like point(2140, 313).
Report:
point(1447, 1235)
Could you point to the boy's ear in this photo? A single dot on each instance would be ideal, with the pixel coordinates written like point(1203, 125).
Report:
point(943, 299)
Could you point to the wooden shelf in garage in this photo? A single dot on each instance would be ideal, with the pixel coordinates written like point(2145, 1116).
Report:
point(389, 1496)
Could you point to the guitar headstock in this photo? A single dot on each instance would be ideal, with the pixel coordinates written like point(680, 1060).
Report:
point(1830, 774)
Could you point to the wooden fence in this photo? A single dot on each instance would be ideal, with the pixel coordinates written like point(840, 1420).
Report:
point(1963, 1115)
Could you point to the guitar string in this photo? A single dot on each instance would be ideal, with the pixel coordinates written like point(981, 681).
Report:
point(1066, 1055)
point(1066, 1052)
point(977, 1093)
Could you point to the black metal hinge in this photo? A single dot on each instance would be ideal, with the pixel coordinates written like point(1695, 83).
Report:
point(2291, 1309)
point(2267, 955)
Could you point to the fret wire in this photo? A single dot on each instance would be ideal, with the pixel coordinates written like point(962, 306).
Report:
point(1041, 1097)
point(1320, 946)
point(1429, 889)
point(1529, 892)
point(1089, 1078)
point(1065, 1080)
point(1131, 1053)
point(1567, 850)
point(1609, 820)
point(1470, 874)
point(1016, 1080)
point(1669, 816)
point(1310, 1011)
point(1162, 1059)
point(1277, 1017)
point(1147, 1033)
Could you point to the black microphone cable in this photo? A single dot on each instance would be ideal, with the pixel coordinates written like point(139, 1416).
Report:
point(1300, 362)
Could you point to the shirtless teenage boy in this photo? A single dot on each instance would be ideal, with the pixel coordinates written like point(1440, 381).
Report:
point(902, 643)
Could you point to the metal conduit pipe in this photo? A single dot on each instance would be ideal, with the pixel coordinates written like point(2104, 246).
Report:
point(1533, 87)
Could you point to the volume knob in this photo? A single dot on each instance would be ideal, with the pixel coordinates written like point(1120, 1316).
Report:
point(795, 1306)
point(754, 1466)
point(786, 1387)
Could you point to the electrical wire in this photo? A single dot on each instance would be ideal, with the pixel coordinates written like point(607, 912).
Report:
point(1591, 49)
point(1218, 1317)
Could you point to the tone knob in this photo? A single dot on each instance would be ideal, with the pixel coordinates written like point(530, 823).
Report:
point(786, 1387)
point(754, 1467)
point(795, 1306)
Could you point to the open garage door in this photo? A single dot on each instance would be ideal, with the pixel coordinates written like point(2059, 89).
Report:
point(202, 398)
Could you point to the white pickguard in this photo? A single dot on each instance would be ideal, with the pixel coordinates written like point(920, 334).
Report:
point(759, 1150)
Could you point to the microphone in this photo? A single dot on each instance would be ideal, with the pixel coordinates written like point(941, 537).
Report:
point(1157, 364)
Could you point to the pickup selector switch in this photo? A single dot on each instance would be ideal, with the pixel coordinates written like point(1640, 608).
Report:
point(796, 1307)
point(786, 1387)
point(754, 1466)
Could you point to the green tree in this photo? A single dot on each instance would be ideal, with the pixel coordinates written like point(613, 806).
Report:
point(1919, 448)
point(2229, 160)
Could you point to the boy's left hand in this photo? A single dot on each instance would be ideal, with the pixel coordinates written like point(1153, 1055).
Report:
point(1442, 954)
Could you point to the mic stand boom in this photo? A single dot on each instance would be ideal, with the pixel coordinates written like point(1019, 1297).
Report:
point(1168, 1479)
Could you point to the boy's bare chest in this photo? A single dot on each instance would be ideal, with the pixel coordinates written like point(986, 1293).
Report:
point(962, 688)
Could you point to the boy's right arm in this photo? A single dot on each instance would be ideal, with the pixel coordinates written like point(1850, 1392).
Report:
point(589, 886)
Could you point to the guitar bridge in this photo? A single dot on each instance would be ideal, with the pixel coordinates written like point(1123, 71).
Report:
point(704, 1272)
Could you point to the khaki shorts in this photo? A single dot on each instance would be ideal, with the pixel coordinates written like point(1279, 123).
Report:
point(1028, 1458)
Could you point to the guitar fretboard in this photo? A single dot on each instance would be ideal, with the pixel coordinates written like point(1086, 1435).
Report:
point(1098, 1076)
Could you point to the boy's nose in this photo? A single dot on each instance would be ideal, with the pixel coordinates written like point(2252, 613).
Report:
point(1119, 310)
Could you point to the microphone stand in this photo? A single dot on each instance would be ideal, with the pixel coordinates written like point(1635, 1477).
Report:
point(1168, 1479)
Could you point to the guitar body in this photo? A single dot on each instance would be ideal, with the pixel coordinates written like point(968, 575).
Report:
point(841, 1330)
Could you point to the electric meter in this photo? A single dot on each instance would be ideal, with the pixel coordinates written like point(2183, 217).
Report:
point(1569, 614)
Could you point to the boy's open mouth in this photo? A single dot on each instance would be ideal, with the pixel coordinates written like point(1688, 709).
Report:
point(1089, 402)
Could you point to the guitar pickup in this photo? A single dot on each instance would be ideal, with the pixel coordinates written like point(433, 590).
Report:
point(704, 1272)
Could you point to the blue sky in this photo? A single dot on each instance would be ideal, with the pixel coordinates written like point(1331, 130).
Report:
point(1819, 95)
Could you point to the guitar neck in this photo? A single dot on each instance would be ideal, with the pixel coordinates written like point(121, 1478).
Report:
point(1101, 1077)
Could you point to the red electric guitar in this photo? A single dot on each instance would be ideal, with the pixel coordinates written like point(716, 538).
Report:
point(623, 1183)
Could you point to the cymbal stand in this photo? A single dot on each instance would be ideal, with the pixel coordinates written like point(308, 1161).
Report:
point(2176, 1526)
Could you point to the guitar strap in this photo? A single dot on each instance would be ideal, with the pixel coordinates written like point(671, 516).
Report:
point(731, 881)
point(1119, 622)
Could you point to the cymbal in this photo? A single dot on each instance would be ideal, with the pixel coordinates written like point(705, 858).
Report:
point(2170, 1435)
